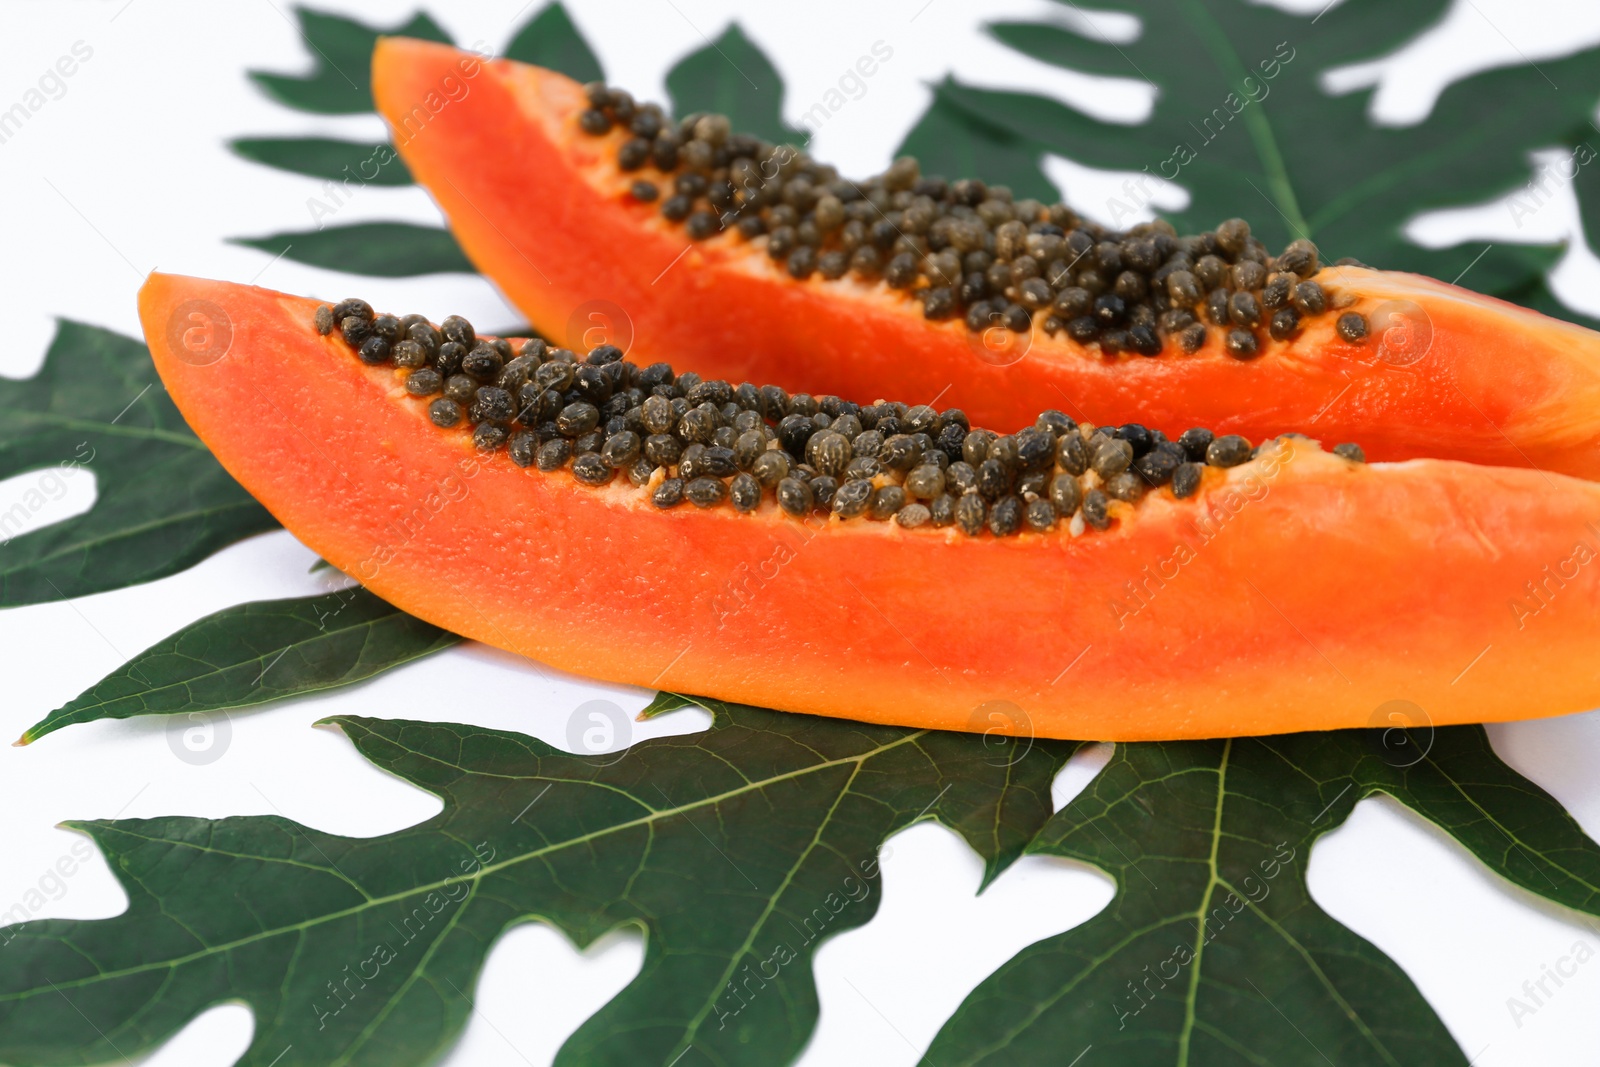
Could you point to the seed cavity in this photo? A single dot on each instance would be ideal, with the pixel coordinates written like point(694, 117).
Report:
point(963, 250)
point(677, 438)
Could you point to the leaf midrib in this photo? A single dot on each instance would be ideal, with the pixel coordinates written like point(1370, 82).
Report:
point(259, 694)
point(1213, 882)
point(110, 429)
point(391, 1002)
point(1322, 978)
point(1094, 962)
point(692, 1030)
point(1213, 878)
point(1262, 136)
point(1384, 179)
point(649, 819)
point(1506, 833)
point(116, 535)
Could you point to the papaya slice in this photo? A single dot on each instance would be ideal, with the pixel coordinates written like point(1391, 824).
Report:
point(749, 261)
point(507, 491)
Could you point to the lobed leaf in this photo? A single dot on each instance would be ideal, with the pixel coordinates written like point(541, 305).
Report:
point(162, 503)
point(329, 158)
point(254, 653)
point(732, 76)
point(737, 850)
point(340, 82)
point(952, 141)
point(376, 249)
point(550, 39)
point(1241, 120)
point(1212, 950)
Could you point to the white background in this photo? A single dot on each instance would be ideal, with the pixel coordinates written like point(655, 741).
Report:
point(127, 172)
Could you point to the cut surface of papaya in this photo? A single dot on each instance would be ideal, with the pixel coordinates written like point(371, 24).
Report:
point(683, 242)
point(508, 492)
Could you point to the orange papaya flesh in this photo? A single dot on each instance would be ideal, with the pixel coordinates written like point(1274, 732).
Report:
point(544, 209)
point(1295, 591)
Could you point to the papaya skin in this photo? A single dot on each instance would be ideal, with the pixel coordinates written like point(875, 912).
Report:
point(1298, 591)
point(541, 209)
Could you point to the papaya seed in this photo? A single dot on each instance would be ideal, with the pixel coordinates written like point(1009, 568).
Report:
point(1352, 327)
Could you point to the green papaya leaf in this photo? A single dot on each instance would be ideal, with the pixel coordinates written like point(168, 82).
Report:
point(1241, 120)
point(737, 849)
point(351, 163)
point(377, 249)
point(342, 47)
point(732, 76)
point(340, 82)
point(550, 39)
point(255, 653)
point(955, 143)
point(162, 502)
point(1212, 950)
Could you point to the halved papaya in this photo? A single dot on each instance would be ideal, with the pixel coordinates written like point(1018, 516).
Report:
point(1277, 589)
point(540, 179)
